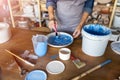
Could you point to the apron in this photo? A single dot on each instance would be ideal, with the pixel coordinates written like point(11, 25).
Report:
point(69, 13)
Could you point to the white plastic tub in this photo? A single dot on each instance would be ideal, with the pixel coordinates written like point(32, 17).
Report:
point(5, 32)
point(95, 39)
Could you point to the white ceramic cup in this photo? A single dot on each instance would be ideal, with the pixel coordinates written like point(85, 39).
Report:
point(64, 53)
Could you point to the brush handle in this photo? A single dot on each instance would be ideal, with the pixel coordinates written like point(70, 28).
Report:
point(19, 58)
point(91, 70)
point(55, 28)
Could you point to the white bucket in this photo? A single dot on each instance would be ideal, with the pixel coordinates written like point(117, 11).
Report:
point(5, 32)
point(95, 39)
point(116, 21)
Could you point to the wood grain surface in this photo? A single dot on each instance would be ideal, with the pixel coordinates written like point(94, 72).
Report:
point(21, 41)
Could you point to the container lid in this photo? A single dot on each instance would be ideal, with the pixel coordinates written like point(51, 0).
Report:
point(36, 75)
point(55, 67)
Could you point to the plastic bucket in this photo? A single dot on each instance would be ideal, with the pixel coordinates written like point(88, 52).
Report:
point(95, 39)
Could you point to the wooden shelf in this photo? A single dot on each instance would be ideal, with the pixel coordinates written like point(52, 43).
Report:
point(16, 10)
point(16, 6)
point(113, 12)
point(43, 7)
point(21, 14)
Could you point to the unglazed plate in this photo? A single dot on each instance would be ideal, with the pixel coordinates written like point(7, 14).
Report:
point(55, 67)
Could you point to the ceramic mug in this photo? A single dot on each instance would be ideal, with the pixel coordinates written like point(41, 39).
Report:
point(64, 53)
point(40, 45)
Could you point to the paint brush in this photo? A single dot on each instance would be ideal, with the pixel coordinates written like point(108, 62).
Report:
point(27, 62)
point(79, 64)
point(55, 28)
point(91, 70)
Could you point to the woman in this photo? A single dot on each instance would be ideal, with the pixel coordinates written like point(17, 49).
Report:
point(70, 14)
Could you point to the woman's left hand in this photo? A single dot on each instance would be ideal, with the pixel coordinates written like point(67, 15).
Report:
point(77, 31)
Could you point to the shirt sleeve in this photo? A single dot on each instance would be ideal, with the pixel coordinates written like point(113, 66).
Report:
point(51, 3)
point(89, 6)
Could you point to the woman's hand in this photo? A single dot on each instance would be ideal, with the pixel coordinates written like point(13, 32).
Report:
point(52, 24)
point(77, 31)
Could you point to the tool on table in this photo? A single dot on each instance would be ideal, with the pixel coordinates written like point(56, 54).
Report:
point(91, 70)
point(54, 56)
point(27, 62)
point(23, 71)
point(79, 64)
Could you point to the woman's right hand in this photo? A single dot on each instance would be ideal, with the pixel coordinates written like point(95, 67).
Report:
point(52, 24)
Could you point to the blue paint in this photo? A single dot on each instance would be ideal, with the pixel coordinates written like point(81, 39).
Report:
point(96, 29)
point(36, 75)
point(41, 49)
point(106, 62)
point(60, 40)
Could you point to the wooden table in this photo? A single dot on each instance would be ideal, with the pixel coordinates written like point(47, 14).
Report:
point(21, 41)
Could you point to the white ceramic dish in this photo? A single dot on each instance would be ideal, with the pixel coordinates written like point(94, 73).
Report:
point(36, 75)
point(116, 47)
point(103, 1)
point(55, 67)
point(68, 37)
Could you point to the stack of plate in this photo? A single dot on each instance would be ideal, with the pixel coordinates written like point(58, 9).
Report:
point(116, 47)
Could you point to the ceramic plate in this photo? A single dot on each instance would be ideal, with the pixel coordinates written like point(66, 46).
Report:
point(116, 47)
point(62, 40)
point(103, 1)
point(36, 75)
point(55, 67)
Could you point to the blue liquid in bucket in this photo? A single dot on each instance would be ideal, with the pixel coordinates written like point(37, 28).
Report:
point(96, 29)
point(60, 40)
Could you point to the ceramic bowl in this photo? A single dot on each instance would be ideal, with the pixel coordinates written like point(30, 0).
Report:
point(62, 40)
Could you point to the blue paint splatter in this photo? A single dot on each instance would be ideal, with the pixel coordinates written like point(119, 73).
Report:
point(59, 40)
point(96, 29)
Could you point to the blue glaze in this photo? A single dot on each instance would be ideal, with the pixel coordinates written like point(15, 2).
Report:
point(41, 49)
point(96, 29)
point(59, 40)
point(36, 75)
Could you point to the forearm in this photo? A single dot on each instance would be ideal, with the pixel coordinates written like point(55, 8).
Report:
point(83, 19)
point(51, 12)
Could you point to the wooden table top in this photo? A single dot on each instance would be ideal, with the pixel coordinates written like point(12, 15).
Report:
point(21, 41)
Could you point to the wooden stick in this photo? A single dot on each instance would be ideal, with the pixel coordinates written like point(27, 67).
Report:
point(27, 62)
point(91, 70)
point(113, 12)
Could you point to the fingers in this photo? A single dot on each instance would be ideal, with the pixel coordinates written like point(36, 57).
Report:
point(76, 33)
point(52, 25)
